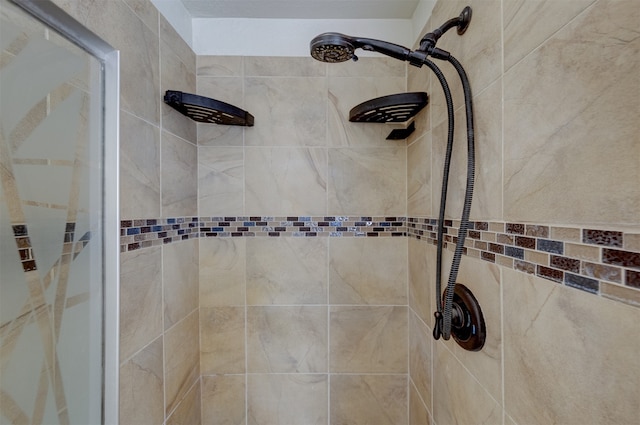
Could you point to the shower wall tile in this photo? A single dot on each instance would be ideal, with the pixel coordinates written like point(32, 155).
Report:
point(223, 399)
point(419, 176)
point(219, 66)
point(456, 387)
point(418, 413)
point(181, 362)
point(368, 339)
point(547, 17)
point(487, 195)
point(175, 42)
point(286, 271)
point(116, 23)
point(368, 271)
point(483, 279)
point(189, 409)
point(140, 299)
point(146, 11)
point(179, 176)
point(180, 281)
point(292, 111)
point(479, 50)
point(142, 386)
point(222, 272)
point(368, 399)
point(280, 181)
point(222, 340)
point(421, 279)
point(545, 324)
point(369, 67)
point(176, 75)
point(287, 339)
point(268, 66)
point(228, 89)
point(590, 122)
point(421, 80)
point(368, 179)
point(139, 168)
point(420, 359)
point(220, 181)
point(287, 399)
point(347, 92)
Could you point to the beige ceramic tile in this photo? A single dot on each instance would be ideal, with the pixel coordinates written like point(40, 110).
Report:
point(287, 271)
point(179, 177)
point(223, 399)
point(418, 413)
point(189, 409)
point(419, 177)
point(632, 241)
point(619, 293)
point(146, 11)
point(287, 399)
point(420, 80)
point(227, 89)
point(139, 52)
point(345, 94)
point(180, 280)
point(265, 66)
point(555, 334)
point(219, 66)
point(368, 179)
point(175, 75)
point(583, 252)
point(479, 51)
point(420, 358)
point(368, 271)
point(222, 271)
point(222, 340)
point(287, 339)
point(369, 399)
point(177, 45)
point(220, 181)
point(142, 386)
point(546, 17)
point(483, 279)
point(487, 195)
point(564, 162)
point(285, 181)
point(459, 397)
point(292, 111)
point(139, 168)
point(368, 339)
point(422, 259)
point(369, 67)
point(140, 299)
point(181, 362)
point(569, 234)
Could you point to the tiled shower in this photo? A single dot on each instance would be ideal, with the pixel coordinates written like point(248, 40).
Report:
point(283, 273)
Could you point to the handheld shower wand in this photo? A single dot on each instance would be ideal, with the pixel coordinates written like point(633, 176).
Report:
point(333, 47)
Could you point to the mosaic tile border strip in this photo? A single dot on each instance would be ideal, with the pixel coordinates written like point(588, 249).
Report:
point(137, 234)
point(601, 262)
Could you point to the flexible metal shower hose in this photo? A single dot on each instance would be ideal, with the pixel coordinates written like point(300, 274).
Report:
point(443, 314)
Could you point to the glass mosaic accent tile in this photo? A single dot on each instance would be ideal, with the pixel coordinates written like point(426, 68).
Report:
point(535, 249)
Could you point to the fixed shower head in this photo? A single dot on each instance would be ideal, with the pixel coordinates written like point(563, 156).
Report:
point(334, 47)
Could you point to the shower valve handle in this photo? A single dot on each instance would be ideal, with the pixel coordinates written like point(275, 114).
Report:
point(437, 327)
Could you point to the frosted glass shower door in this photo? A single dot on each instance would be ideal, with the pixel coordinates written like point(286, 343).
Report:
point(52, 215)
